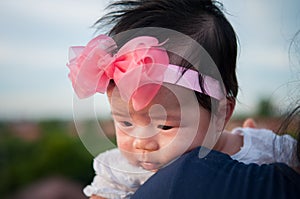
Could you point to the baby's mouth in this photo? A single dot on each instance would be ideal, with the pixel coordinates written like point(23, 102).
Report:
point(150, 166)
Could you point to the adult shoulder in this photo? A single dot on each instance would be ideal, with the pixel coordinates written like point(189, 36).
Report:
point(218, 176)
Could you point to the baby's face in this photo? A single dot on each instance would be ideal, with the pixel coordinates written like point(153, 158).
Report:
point(163, 130)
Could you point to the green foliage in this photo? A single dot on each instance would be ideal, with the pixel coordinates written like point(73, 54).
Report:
point(265, 108)
point(55, 153)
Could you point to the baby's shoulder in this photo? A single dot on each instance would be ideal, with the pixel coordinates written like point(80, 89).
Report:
point(114, 162)
point(109, 159)
point(112, 165)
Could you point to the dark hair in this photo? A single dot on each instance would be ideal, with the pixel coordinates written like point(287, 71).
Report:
point(202, 20)
point(291, 120)
point(291, 124)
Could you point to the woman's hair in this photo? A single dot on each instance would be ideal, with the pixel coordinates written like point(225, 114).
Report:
point(291, 124)
point(202, 20)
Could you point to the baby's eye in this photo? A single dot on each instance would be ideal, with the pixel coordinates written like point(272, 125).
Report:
point(164, 127)
point(126, 123)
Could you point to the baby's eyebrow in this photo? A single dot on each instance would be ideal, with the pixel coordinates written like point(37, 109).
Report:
point(157, 117)
point(120, 114)
point(173, 117)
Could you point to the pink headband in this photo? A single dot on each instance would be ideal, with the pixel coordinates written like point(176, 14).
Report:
point(140, 62)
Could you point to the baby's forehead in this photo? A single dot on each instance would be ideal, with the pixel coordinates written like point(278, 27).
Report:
point(167, 96)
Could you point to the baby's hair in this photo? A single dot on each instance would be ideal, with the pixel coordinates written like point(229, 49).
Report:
point(202, 20)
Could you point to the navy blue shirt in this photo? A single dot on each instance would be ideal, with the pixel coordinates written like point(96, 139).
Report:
point(218, 176)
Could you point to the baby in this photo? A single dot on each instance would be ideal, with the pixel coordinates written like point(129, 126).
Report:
point(168, 70)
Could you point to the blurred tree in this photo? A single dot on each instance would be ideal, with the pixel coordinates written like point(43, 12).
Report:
point(265, 108)
point(56, 153)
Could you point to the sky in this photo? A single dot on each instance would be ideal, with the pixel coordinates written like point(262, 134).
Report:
point(35, 36)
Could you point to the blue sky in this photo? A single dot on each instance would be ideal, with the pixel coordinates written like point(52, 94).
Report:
point(35, 36)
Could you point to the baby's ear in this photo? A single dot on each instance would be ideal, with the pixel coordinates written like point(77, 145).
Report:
point(225, 110)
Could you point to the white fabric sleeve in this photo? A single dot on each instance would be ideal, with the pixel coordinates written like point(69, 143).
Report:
point(115, 178)
point(263, 146)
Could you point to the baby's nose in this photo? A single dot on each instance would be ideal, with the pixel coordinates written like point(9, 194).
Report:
point(148, 144)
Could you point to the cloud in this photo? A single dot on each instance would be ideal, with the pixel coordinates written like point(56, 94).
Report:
point(276, 58)
point(31, 35)
point(32, 55)
point(56, 11)
point(265, 30)
point(56, 102)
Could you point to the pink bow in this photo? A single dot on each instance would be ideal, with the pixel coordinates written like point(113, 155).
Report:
point(137, 68)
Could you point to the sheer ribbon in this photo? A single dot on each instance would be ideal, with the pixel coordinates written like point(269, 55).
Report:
point(138, 69)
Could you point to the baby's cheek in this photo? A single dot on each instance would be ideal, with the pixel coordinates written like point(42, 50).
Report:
point(125, 145)
point(124, 141)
